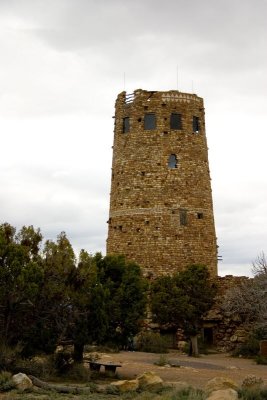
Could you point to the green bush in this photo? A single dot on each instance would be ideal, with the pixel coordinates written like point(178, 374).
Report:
point(9, 355)
point(185, 394)
point(251, 347)
point(248, 349)
point(162, 360)
point(260, 333)
point(63, 361)
point(41, 366)
point(252, 394)
point(6, 381)
point(151, 342)
point(261, 360)
point(77, 373)
point(113, 390)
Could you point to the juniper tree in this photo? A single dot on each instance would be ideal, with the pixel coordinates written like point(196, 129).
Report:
point(182, 300)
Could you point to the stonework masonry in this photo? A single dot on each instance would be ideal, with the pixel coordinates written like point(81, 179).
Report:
point(225, 333)
point(161, 212)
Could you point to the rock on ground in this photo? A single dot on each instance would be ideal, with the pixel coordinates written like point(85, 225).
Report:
point(126, 386)
point(179, 385)
point(149, 380)
point(22, 381)
point(220, 383)
point(225, 394)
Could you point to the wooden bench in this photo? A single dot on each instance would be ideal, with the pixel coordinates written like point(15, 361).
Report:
point(109, 367)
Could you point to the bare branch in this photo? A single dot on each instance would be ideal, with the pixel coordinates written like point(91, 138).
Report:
point(248, 300)
point(259, 266)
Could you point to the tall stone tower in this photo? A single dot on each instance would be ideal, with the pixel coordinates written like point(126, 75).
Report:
point(161, 212)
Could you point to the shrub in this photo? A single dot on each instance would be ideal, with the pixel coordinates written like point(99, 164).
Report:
point(113, 390)
point(6, 381)
point(186, 394)
point(42, 367)
point(251, 347)
point(77, 373)
point(9, 355)
point(260, 333)
point(151, 342)
point(252, 394)
point(162, 361)
point(248, 349)
point(63, 361)
point(252, 382)
point(261, 360)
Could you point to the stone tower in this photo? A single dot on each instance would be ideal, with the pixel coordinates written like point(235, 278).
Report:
point(161, 212)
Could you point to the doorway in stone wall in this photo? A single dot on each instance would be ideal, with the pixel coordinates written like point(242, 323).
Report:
point(208, 336)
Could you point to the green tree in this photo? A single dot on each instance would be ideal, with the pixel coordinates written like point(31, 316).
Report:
point(126, 296)
point(88, 298)
point(108, 301)
point(31, 240)
point(53, 305)
point(47, 296)
point(182, 300)
point(20, 280)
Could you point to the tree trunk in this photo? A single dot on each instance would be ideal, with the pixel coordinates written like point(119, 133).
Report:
point(65, 389)
point(193, 340)
point(190, 351)
point(7, 321)
point(78, 352)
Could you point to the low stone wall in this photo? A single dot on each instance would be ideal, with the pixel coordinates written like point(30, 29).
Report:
point(228, 332)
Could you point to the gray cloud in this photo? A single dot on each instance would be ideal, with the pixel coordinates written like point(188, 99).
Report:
point(62, 65)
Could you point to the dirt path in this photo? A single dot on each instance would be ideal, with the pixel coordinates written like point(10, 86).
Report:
point(195, 371)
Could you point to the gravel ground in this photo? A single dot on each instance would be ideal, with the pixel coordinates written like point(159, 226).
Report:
point(195, 371)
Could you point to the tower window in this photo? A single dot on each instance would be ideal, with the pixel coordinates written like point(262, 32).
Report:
point(176, 121)
point(196, 125)
point(200, 215)
point(126, 125)
point(183, 217)
point(150, 122)
point(172, 163)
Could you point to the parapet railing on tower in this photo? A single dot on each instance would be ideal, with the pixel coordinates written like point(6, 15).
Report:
point(129, 98)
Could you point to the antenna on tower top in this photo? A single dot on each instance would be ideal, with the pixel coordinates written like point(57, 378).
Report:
point(124, 80)
point(177, 77)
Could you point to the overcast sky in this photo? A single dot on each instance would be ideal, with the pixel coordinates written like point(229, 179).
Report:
point(62, 65)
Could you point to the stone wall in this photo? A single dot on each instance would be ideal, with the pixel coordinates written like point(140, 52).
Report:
point(161, 212)
point(227, 332)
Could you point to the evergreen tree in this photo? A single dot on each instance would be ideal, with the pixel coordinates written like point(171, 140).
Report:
point(182, 300)
point(127, 296)
point(20, 280)
point(46, 296)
